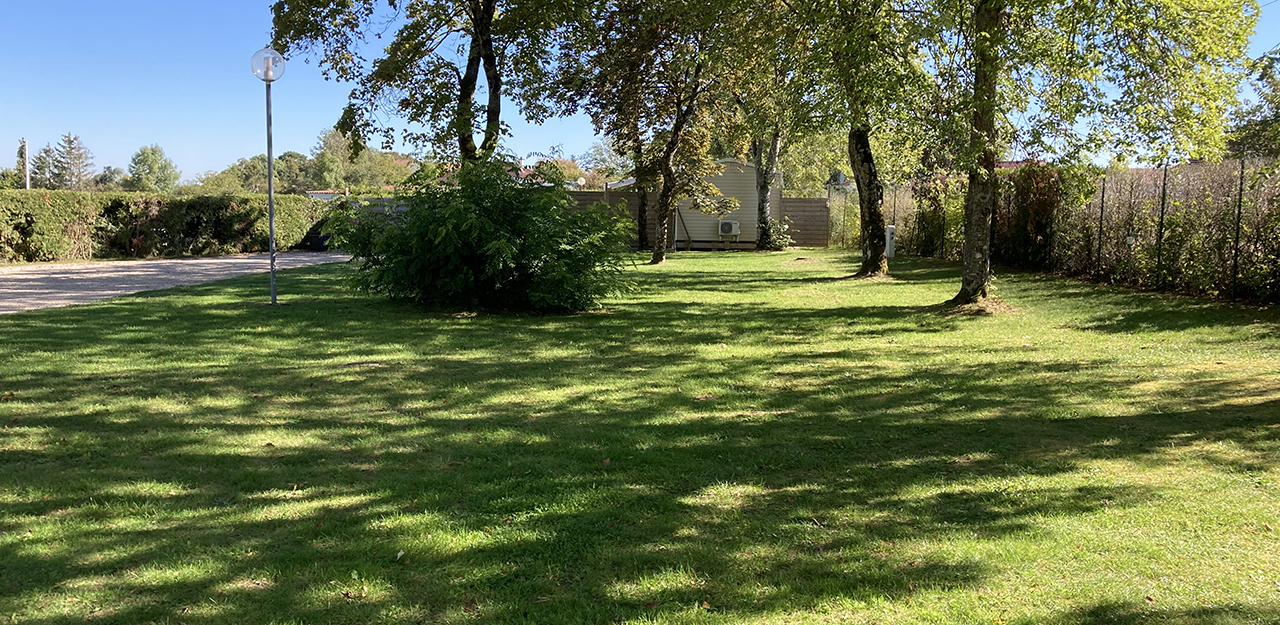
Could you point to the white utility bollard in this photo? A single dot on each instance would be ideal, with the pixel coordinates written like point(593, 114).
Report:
point(889, 232)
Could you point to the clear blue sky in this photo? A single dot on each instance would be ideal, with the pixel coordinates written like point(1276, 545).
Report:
point(129, 73)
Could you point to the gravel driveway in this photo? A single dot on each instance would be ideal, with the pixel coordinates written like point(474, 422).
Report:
point(47, 285)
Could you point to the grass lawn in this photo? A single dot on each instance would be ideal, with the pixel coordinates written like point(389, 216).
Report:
point(746, 439)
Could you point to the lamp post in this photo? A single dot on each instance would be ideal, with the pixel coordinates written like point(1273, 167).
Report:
point(268, 66)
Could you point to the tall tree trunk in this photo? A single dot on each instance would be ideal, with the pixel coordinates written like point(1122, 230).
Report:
point(492, 77)
point(666, 195)
point(766, 162)
point(642, 196)
point(642, 217)
point(480, 52)
point(666, 210)
point(870, 199)
point(979, 202)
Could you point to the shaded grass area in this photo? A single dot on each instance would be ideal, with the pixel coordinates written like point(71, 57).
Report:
point(746, 438)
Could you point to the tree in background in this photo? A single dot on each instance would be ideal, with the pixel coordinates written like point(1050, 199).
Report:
point(430, 72)
point(151, 171)
point(1257, 127)
point(335, 165)
point(332, 167)
point(72, 164)
point(21, 168)
point(1145, 77)
point(604, 159)
point(871, 78)
point(109, 179)
point(291, 173)
point(648, 73)
point(42, 167)
point(769, 102)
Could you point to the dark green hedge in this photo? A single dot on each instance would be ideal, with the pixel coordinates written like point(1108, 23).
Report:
point(63, 225)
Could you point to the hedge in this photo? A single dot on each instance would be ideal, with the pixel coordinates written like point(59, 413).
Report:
point(44, 225)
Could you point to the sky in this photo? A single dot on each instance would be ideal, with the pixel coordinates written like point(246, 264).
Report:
point(125, 74)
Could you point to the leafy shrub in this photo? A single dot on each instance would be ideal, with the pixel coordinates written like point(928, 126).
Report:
point(60, 225)
point(490, 240)
point(774, 237)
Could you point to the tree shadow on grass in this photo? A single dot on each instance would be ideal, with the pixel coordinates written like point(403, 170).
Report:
point(1116, 310)
point(1136, 614)
point(544, 469)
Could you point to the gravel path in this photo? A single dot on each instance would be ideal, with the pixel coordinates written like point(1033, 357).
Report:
point(47, 285)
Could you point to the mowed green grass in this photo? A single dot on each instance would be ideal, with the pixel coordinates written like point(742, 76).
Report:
point(748, 438)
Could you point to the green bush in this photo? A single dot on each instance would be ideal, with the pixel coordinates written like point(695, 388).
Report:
point(774, 237)
point(492, 241)
point(63, 225)
point(44, 225)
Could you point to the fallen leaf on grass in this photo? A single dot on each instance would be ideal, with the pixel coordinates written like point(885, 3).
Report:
point(651, 604)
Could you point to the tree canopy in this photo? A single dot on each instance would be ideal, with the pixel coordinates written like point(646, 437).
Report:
point(429, 73)
point(150, 170)
point(1257, 128)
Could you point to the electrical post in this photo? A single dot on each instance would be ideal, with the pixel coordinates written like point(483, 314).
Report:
point(26, 162)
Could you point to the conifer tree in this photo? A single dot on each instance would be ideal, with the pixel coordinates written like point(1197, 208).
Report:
point(72, 164)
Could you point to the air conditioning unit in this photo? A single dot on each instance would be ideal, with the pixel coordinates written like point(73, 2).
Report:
point(729, 229)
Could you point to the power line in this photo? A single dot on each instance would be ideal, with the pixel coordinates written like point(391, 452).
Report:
point(1268, 4)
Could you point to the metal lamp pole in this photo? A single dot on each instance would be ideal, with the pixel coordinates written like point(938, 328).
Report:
point(268, 66)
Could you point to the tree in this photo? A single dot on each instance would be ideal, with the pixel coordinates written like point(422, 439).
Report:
point(420, 78)
point(648, 73)
point(872, 77)
point(11, 179)
point(770, 98)
point(151, 171)
point(606, 159)
point(109, 179)
point(1257, 129)
point(72, 164)
point(22, 160)
point(291, 173)
point(334, 165)
point(1138, 77)
point(42, 168)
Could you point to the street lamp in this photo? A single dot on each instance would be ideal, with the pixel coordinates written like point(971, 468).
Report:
point(268, 66)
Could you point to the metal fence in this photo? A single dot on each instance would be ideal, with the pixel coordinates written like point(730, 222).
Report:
point(1202, 228)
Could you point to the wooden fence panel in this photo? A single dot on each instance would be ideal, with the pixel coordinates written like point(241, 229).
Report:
point(810, 220)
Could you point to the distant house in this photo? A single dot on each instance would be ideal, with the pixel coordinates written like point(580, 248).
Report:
point(700, 230)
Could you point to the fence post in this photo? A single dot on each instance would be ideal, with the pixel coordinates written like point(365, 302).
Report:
point(1102, 210)
point(1164, 198)
point(1235, 254)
